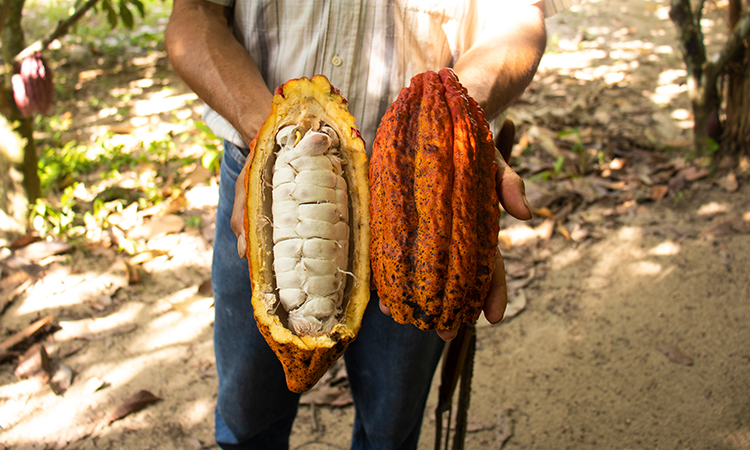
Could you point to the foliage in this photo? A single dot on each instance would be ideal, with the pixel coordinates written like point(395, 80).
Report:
point(212, 158)
point(120, 12)
point(82, 184)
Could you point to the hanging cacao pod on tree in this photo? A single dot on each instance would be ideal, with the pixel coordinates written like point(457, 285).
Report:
point(307, 228)
point(434, 208)
point(33, 89)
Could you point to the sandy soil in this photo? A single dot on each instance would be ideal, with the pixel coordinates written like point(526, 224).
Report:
point(632, 329)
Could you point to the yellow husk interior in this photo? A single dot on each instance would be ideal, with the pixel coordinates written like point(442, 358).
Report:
point(306, 358)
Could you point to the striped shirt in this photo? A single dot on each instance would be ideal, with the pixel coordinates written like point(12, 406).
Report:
point(369, 49)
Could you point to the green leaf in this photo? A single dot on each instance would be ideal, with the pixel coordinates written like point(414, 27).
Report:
point(111, 13)
point(543, 176)
point(559, 164)
point(139, 6)
point(564, 133)
point(209, 159)
point(126, 15)
point(206, 130)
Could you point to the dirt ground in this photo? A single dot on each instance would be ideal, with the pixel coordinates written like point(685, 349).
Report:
point(630, 288)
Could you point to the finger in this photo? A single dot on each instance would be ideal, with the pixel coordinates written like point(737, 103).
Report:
point(237, 222)
point(504, 139)
point(511, 190)
point(384, 309)
point(447, 335)
point(497, 299)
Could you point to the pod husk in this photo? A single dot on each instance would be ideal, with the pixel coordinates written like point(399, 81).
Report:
point(433, 204)
point(306, 101)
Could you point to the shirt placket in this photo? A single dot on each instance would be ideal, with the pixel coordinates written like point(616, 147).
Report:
point(340, 52)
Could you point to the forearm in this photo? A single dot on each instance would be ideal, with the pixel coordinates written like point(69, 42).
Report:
point(210, 60)
point(499, 67)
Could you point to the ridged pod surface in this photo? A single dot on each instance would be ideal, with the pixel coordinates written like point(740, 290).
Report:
point(33, 89)
point(307, 201)
point(433, 205)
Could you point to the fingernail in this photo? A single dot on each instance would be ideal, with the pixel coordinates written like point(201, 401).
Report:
point(241, 246)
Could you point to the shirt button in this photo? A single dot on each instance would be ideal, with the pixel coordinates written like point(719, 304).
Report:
point(336, 61)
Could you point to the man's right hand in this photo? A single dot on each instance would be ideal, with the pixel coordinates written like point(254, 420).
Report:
point(239, 210)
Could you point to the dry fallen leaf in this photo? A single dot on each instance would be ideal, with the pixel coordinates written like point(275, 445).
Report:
point(544, 212)
point(692, 173)
point(24, 240)
point(504, 427)
point(206, 288)
point(675, 354)
point(135, 403)
point(563, 231)
point(516, 269)
point(26, 333)
point(94, 384)
point(579, 233)
point(34, 362)
point(734, 224)
point(12, 286)
point(134, 275)
point(126, 219)
point(516, 304)
point(146, 256)
point(62, 380)
point(166, 224)
point(659, 191)
point(729, 182)
point(42, 249)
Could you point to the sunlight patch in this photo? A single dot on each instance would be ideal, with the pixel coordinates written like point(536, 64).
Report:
point(630, 233)
point(197, 412)
point(521, 234)
point(664, 50)
point(565, 258)
point(712, 209)
point(98, 327)
point(662, 13)
point(203, 196)
point(71, 289)
point(178, 319)
point(681, 114)
point(645, 268)
point(666, 248)
point(157, 105)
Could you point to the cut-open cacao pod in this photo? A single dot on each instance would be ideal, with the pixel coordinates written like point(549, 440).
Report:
point(307, 228)
point(434, 208)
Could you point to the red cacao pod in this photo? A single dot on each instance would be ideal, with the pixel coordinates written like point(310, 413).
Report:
point(20, 96)
point(33, 89)
point(433, 205)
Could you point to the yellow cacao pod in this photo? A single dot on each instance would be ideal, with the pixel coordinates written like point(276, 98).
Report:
point(307, 228)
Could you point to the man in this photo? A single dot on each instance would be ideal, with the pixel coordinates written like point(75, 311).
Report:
point(233, 53)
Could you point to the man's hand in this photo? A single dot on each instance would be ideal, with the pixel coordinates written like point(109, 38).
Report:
point(238, 211)
point(207, 56)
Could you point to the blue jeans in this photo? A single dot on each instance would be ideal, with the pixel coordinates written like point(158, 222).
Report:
point(390, 366)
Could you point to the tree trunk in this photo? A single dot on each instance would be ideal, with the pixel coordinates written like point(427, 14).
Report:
point(736, 137)
point(13, 202)
point(12, 44)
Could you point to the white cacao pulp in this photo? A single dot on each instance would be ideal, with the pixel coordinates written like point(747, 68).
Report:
point(310, 228)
